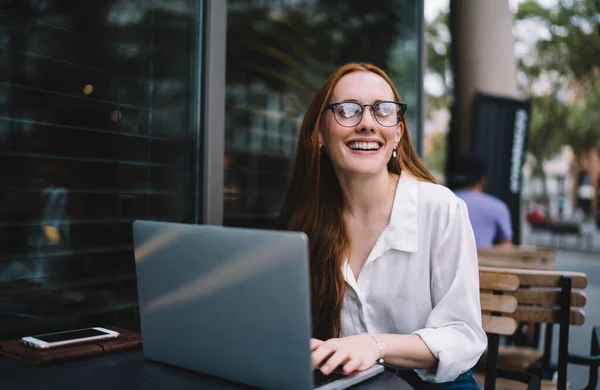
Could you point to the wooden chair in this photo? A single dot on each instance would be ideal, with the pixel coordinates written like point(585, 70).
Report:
point(526, 257)
point(496, 310)
point(546, 297)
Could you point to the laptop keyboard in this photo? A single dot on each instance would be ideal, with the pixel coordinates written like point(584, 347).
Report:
point(320, 379)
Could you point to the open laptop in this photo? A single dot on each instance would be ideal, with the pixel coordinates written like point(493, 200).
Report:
point(230, 302)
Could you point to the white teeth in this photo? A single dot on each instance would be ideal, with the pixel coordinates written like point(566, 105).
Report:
point(364, 145)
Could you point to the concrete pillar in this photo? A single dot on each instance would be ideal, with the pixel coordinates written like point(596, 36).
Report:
point(483, 60)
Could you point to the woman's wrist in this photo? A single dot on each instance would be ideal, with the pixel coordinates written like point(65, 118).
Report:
point(378, 345)
point(406, 350)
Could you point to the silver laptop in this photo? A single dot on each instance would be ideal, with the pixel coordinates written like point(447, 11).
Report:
point(229, 302)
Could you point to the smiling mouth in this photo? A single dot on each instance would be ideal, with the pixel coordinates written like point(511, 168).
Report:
point(370, 146)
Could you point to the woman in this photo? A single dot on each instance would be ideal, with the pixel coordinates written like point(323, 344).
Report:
point(393, 264)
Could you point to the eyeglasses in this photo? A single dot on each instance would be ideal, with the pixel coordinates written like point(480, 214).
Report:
point(386, 113)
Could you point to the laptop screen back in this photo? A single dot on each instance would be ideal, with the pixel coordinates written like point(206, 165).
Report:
point(229, 302)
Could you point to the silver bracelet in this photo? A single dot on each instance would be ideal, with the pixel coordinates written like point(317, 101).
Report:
point(380, 360)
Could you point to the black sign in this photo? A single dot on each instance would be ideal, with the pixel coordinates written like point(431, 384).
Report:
point(500, 127)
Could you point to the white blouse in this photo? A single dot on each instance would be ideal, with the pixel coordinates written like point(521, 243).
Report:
point(422, 277)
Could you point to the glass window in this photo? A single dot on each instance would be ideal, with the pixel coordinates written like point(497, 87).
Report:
point(278, 53)
point(95, 132)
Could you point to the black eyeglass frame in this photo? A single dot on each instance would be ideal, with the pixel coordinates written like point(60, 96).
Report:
point(403, 108)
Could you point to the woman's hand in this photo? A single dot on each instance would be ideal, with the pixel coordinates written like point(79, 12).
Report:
point(354, 353)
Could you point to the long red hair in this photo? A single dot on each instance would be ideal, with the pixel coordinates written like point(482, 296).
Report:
point(313, 204)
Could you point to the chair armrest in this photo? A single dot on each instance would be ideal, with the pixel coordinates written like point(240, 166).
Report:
point(592, 361)
point(594, 356)
point(583, 360)
point(533, 381)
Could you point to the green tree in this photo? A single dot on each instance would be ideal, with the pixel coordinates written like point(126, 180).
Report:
point(437, 47)
point(564, 62)
point(549, 118)
point(583, 129)
point(435, 154)
point(570, 46)
point(437, 38)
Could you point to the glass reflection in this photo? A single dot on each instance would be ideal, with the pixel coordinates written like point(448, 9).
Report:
point(278, 53)
point(94, 133)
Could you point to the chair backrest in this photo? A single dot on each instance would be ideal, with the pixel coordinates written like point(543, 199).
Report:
point(549, 297)
point(539, 295)
point(496, 310)
point(517, 257)
point(496, 306)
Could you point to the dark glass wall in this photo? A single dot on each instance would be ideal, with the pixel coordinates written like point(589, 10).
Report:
point(95, 132)
point(279, 52)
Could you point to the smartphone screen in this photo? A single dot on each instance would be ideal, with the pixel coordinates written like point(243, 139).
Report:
point(70, 335)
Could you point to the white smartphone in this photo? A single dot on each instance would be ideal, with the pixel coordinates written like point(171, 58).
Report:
point(77, 336)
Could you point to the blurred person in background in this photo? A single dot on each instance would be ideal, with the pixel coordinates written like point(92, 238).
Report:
point(490, 216)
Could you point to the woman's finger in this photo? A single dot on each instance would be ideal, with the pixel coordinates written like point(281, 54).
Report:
point(338, 358)
point(315, 343)
point(352, 365)
point(322, 352)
